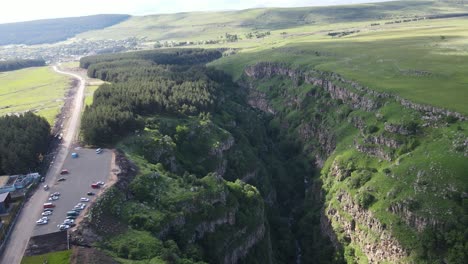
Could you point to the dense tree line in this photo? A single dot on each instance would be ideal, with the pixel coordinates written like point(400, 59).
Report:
point(11, 65)
point(54, 30)
point(22, 140)
point(141, 87)
point(168, 56)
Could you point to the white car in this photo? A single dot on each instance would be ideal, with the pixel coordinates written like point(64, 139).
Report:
point(63, 227)
point(44, 218)
point(68, 221)
point(83, 199)
point(41, 222)
point(46, 213)
point(100, 183)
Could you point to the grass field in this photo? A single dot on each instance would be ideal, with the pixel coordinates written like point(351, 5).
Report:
point(59, 257)
point(211, 25)
point(424, 61)
point(89, 94)
point(40, 90)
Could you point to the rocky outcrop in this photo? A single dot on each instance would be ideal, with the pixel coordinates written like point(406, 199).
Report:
point(360, 227)
point(218, 152)
point(324, 138)
point(350, 92)
point(248, 242)
point(374, 150)
point(127, 173)
point(354, 99)
point(418, 222)
point(397, 129)
point(222, 146)
point(382, 140)
point(210, 226)
point(259, 100)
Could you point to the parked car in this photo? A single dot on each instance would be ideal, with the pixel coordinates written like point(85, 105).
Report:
point(95, 186)
point(63, 227)
point(56, 194)
point(100, 183)
point(48, 210)
point(61, 179)
point(83, 199)
point(90, 193)
point(68, 221)
point(71, 217)
point(49, 205)
point(41, 222)
point(72, 213)
point(46, 187)
point(98, 151)
point(64, 171)
point(46, 213)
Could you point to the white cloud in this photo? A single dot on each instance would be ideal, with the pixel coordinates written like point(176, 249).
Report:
point(24, 10)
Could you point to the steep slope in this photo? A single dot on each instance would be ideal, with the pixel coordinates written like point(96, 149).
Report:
point(392, 176)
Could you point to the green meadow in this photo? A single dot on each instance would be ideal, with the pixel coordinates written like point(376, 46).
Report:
point(40, 90)
point(59, 257)
point(424, 61)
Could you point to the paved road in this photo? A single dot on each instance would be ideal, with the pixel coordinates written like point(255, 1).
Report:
point(25, 224)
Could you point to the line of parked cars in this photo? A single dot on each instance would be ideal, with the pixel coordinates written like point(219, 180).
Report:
point(73, 214)
point(48, 209)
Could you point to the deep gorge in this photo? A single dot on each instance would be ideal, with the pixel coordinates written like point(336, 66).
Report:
point(227, 172)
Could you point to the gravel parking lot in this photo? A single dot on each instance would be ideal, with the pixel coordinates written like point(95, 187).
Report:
point(88, 168)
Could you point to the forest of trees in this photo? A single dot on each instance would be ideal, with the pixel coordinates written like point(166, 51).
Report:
point(23, 139)
point(54, 30)
point(166, 57)
point(141, 86)
point(12, 65)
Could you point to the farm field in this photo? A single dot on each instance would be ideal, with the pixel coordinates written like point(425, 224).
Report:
point(40, 90)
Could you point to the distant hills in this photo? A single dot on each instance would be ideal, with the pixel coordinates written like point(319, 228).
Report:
point(54, 30)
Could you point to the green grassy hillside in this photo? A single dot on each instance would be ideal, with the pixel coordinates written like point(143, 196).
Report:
point(212, 25)
point(424, 61)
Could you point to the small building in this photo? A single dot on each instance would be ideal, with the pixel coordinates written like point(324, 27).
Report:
point(5, 200)
point(23, 180)
point(7, 184)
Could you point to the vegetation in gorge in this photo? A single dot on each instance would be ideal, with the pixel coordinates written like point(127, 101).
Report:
point(185, 126)
point(405, 169)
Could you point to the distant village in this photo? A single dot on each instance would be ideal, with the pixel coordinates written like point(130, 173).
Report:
point(69, 50)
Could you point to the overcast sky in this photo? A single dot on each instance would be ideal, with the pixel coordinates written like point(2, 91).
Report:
point(25, 10)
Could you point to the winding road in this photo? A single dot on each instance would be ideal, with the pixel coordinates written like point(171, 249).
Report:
point(24, 228)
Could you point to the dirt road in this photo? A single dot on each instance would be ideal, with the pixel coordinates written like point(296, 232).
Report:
point(25, 224)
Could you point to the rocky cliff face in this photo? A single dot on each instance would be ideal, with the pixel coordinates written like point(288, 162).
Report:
point(358, 225)
point(350, 92)
point(362, 228)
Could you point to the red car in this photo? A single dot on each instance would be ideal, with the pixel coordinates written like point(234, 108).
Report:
point(64, 171)
point(49, 205)
point(95, 186)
